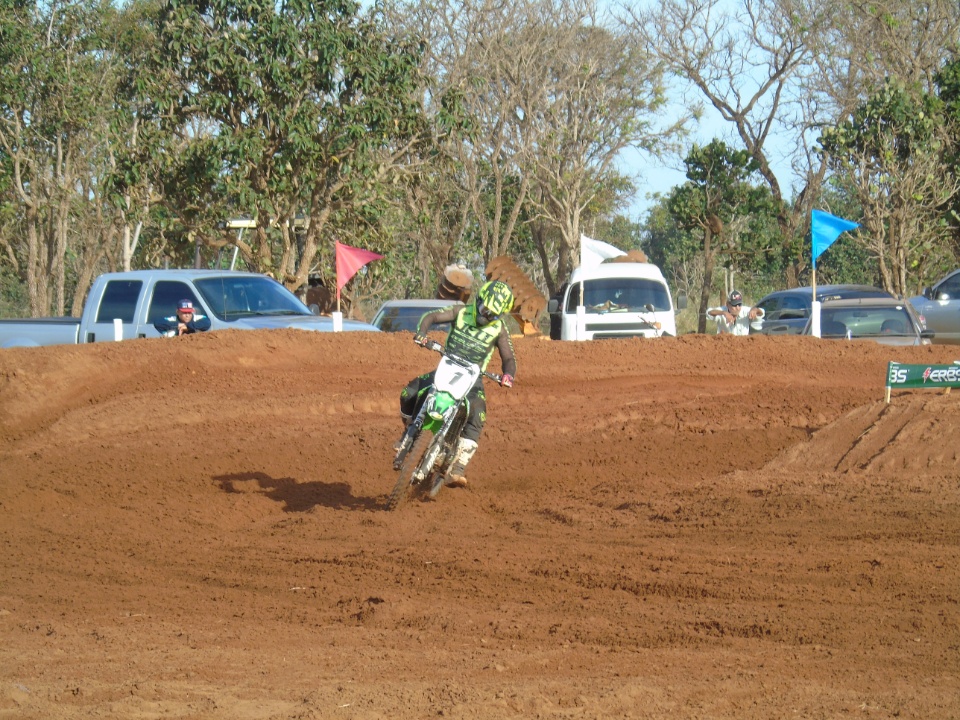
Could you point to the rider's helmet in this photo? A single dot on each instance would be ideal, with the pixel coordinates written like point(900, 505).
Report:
point(494, 298)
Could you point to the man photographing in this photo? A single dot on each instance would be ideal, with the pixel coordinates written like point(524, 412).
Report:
point(734, 318)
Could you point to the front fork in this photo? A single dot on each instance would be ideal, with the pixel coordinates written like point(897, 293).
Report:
point(426, 421)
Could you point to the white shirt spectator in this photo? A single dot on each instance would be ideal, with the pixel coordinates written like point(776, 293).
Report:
point(735, 318)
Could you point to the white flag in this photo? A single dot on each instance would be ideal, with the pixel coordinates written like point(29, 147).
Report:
point(593, 252)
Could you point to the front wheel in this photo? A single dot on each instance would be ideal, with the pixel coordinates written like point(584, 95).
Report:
point(408, 470)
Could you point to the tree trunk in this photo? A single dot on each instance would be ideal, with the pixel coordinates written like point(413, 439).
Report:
point(58, 266)
point(36, 266)
point(708, 262)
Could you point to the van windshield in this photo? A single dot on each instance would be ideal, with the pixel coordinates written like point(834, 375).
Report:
point(619, 295)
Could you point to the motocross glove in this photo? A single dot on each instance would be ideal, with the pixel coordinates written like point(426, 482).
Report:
point(421, 340)
point(506, 380)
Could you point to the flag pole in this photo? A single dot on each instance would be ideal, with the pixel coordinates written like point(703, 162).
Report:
point(814, 305)
point(813, 281)
point(337, 316)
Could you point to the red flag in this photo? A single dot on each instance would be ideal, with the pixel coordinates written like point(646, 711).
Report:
point(349, 260)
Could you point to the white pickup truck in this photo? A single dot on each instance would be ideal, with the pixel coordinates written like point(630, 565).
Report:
point(138, 299)
point(613, 300)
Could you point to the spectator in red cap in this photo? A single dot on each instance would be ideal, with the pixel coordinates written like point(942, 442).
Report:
point(735, 319)
point(185, 322)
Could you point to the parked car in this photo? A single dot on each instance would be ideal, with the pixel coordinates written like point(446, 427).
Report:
point(940, 308)
point(786, 312)
point(404, 315)
point(888, 321)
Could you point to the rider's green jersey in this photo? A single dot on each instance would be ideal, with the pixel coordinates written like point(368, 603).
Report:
point(470, 342)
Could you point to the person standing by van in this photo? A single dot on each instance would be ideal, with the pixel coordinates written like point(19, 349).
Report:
point(734, 318)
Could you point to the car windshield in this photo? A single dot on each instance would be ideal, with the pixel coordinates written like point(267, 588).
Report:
point(893, 321)
point(619, 295)
point(231, 298)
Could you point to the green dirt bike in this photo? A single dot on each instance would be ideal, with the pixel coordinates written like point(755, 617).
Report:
point(429, 444)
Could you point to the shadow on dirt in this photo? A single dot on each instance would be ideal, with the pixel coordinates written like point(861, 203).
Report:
point(295, 496)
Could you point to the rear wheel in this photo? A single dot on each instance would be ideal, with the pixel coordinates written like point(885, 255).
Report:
point(401, 491)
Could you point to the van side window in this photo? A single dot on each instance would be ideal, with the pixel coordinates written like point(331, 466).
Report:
point(166, 295)
point(573, 299)
point(119, 301)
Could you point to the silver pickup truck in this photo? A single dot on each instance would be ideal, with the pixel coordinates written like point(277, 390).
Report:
point(138, 299)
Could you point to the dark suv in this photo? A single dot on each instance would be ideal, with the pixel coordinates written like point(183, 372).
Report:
point(785, 312)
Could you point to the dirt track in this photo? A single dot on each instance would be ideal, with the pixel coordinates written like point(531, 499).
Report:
point(702, 527)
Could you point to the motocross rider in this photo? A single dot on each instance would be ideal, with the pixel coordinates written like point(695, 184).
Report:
point(475, 329)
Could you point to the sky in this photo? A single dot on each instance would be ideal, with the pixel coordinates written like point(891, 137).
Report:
point(652, 177)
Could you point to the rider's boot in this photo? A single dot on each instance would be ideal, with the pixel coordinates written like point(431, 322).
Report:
point(465, 450)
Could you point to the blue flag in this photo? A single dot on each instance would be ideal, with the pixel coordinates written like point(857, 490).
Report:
point(824, 229)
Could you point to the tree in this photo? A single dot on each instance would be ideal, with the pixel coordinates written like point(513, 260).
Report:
point(597, 97)
point(303, 108)
point(129, 186)
point(864, 46)
point(55, 89)
point(892, 152)
point(948, 90)
point(716, 200)
point(553, 96)
point(749, 64)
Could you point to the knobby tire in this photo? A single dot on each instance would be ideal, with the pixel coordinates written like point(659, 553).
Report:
point(401, 491)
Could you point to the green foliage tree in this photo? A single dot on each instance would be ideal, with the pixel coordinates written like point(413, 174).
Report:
point(128, 187)
point(718, 203)
point(892, 151)
point(290, 113)
point(55, 93)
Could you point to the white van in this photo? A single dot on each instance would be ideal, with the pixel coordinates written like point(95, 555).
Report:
point(620, 299)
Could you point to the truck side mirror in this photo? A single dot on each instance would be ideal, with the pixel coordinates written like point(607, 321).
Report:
point(682, 301)
point(553, 305)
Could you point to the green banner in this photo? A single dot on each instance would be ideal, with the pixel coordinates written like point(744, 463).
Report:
point(920, 376)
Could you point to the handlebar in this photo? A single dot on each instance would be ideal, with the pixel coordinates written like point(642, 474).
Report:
point(437, 347)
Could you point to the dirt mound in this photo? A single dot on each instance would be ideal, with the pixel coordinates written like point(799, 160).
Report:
point(687, 527)
point(910, 436)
